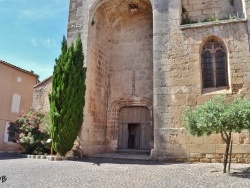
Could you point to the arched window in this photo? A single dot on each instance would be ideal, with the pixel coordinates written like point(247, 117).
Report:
point(214, 64)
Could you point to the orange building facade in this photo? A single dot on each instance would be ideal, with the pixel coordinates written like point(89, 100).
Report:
point(16, 96)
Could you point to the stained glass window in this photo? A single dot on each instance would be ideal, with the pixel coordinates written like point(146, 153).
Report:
point(214, 65)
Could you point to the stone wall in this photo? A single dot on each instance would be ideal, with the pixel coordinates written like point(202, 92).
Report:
point(131, 57)
point(131, 66)
point(240, 8)
point(220, 9)
point(118, 56)
point(113, 42)
point(178, 82)
point(93, 132)
point(41, 95)
point(184, 147)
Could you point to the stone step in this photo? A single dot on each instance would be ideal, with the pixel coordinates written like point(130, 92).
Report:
point(134, 151)
point(126, 156)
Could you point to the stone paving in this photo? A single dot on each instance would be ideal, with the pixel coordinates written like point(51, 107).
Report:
point(117, 173)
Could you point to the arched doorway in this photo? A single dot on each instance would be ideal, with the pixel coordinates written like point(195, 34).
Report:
point(119, 61)
point(134, 128)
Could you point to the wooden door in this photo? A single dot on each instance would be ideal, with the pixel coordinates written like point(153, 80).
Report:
point(134, 128)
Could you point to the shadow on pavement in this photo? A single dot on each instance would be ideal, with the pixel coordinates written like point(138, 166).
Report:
point(98, 161)
point(243, 173)
point(7, 156)
point(95, 160)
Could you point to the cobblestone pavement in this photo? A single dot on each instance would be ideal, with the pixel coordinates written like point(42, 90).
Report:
point(117, 173)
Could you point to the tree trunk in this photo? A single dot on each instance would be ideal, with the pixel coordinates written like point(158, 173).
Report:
point(226, 158)
point(230, 158)
point(228, 140)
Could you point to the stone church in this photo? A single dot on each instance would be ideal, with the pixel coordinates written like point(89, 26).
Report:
point(147, 60)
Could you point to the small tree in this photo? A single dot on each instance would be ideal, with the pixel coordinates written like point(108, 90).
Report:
point(219, 115)
point(67, 97)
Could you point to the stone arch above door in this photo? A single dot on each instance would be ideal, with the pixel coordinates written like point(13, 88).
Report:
point(116, 105)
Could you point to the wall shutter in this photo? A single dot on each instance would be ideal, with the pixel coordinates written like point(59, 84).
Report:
point(16, 101)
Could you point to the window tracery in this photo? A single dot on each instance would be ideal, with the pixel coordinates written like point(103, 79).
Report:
point(214, 64)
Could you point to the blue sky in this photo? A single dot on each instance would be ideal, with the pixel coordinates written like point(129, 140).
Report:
point(31, 32)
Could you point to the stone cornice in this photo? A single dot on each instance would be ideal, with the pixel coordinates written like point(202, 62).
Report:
point(210, 24)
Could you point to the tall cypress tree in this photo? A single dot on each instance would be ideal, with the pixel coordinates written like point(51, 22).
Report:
point(67, 96)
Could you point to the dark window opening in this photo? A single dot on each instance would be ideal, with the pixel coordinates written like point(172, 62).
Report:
point(214, 65)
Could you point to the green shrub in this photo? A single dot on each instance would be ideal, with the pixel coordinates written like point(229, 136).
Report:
point(32, 131)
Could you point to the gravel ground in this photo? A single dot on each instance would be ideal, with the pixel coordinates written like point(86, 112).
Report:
point(117, 173)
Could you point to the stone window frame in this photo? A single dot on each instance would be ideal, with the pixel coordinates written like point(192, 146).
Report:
point(221, 89)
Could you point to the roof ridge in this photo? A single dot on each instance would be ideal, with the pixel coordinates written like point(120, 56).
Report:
point(43, 81)
point(19, 68)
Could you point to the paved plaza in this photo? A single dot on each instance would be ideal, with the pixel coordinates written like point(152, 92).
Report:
point(117, 173)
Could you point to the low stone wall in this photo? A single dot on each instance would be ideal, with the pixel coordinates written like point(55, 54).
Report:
point(218, 158)
point(211, 158)
point(177, 144)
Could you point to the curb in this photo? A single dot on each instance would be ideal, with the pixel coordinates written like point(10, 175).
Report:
point(49, 157)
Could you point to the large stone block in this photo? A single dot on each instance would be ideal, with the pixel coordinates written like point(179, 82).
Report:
point(215, 160)
point(198, 140)
point(246, 148)
point(192, 2)
point(195, 155)
point(213, 139)
point(220, 148)
point(209, 156)
point(205, 160)
point(238, 148)
point(191, 99)
point(181, 139)
point(201, 148)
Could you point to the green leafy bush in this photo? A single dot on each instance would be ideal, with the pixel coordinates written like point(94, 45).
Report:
point(32, 131)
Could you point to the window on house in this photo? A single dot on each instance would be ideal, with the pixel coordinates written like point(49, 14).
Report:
point(11, 129)
point(10, 132)
point(19, 79)
point(214, 65)
point(6, 132)
point(16, 101)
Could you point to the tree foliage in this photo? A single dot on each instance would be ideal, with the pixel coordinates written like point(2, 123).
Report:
point(67, 96)
point(219, 115)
